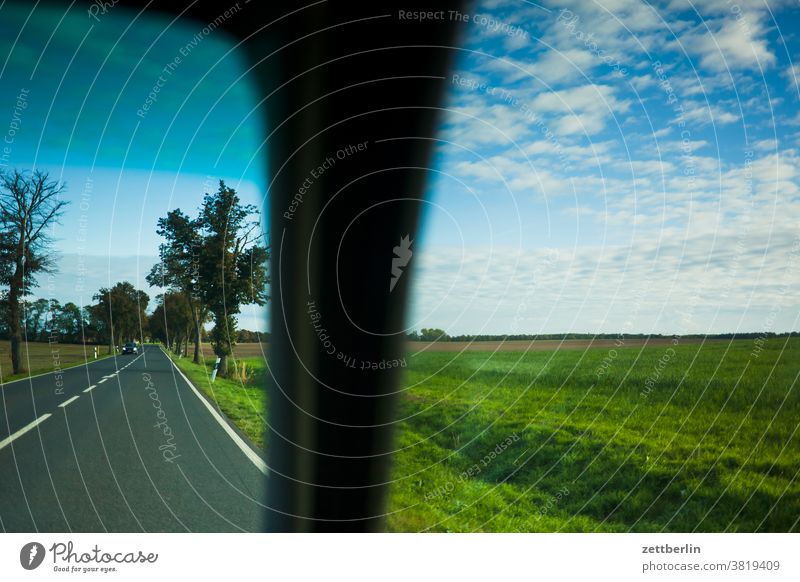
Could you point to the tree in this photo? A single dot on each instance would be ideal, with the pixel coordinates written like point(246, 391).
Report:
point(433, 334)
point(91, 326)
point(233, 265)
point(245, 336)
point(179, 267)
point(50, 321)
point(69, 323)
point(41, 316)
point(35, 316)
point(172, 321)
point(30, 206)
point(120, 313)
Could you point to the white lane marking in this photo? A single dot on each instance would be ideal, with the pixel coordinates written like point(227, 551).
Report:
point(101, 381)
point(90, 388)
point(68, 402)
point(6, 441)
point(249, 453)
point(109, 376)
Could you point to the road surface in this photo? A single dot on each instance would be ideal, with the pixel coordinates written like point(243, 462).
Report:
point(123, 444)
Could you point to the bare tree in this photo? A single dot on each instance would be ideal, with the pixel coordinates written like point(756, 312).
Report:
point(30, 206)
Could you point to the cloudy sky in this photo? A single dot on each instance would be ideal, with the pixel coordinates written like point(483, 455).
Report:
point(618, 166)
point(603, 166)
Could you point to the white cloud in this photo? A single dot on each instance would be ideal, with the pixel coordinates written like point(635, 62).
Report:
point(699, 114)
point(646, 167)
point(721, 7)
point(792, 74)
point(765, 145)
point(474, 125)
point(642, 82)
point(559, 67)
point(662, 285)
point(613, 17)
point(581, 110)
point(730, 43)
point(546, 67)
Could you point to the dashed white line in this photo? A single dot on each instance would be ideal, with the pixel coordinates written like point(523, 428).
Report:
point(67, 402)
point(7, 441)
point(90, 388)
point(103, 380)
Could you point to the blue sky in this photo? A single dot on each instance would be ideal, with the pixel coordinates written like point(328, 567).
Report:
point(618, 166)
point(603, 166)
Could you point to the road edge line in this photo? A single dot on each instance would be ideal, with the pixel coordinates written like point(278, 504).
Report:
point(237, 439)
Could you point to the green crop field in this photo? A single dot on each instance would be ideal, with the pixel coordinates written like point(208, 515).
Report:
point(690, 437)
point(42, 357)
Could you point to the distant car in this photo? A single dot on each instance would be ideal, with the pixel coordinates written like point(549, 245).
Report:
point(130, 348)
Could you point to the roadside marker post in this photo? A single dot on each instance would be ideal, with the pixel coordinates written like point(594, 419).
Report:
point(214, 371)
point(95, 352)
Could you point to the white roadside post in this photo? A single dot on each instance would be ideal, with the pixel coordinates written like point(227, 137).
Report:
point(95, 352)
point(214, 371)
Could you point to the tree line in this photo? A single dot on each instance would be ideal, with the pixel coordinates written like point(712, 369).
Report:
point(435, 334)
point(210, 265)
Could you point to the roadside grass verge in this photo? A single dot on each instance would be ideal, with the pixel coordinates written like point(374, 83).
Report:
point(242, 399)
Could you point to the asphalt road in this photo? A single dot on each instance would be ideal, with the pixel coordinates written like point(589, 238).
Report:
point(123, 444)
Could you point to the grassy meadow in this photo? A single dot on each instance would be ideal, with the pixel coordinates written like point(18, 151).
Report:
point(42, 357)
point(687, 437)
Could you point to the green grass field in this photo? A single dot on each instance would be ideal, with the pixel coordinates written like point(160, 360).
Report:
point(41, 357)
point(684, 438)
